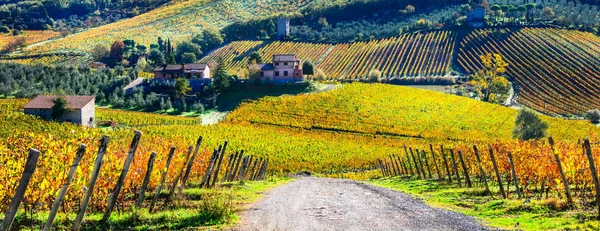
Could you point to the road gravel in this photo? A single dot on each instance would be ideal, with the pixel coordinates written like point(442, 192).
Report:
point(310, 203)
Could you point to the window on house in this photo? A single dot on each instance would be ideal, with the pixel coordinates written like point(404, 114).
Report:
point(285, 64)
point(285, 73)
point(277, 73)
point(262, 74)
point(276, 64)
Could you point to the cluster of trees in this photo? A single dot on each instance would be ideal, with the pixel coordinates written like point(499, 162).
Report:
point(566, 13)
point(121, 53)
point(163, 51)
point(26, 81)
point(343, 21)
point(53, 14)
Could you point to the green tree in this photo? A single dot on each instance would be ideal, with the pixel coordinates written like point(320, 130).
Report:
point(220, 77)
point(547, 14)
point(188, 47)
point(593, 116)
point(59, 108)
point(529, 126)
point(99, 52)
point(171, 59)
point(157, 57)
point(188, 58)
point(308, 68)
point(490, 82)
point(212, 38)
point(255, 57)
point(182, 87)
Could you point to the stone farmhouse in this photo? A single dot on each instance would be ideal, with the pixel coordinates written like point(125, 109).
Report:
point(81, 109)
point(285, 68)
point(189, 71)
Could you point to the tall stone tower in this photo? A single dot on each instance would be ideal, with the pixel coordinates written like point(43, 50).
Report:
point(283, 28)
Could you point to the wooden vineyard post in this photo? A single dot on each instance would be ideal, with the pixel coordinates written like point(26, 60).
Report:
point(173, 189)
point(588, 152)
point(237, 166)
point(399, 162)
point(90, 187)
point(497, 172)
point(464, 166)
point(142, 195)
point(426, 163)
point(243, 167)
point(219, 163)
point(251, 175)
point(446, 163)
point(163, 178)
point(393, 165)
point(228, 167)
point(415, 162)
point(30, 165)
point(381, 167)
point(264, 170)
point(437, 169)
point(65, 187)
point(115, 194)
point(408, 161)
point(252, 169)
point(562, 173)
point(421, 167)
point(514, 173)
point(455, 167)
point(191, 163)
point(208, 168)
point(234, 165)
point(259, 168)
point(481, 172)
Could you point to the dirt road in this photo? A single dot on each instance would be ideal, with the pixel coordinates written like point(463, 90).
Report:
point(310, 203)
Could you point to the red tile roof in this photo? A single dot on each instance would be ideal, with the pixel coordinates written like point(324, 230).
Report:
point(45, 102)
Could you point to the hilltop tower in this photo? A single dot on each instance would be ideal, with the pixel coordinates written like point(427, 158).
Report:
point(283, 28)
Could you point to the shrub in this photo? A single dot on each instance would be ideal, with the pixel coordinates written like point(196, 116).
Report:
point(320, 76)
point(529, 126)
point(4, 30)
point(593, 116)
point(374, 76)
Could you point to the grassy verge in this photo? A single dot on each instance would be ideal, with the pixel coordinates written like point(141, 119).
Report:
point(202, 209)
point(529, 214)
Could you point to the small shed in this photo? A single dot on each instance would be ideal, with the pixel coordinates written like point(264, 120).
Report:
point(81, 109)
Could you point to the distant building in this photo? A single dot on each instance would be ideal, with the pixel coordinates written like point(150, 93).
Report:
point(476, 18)
point(190, 71)
point(81, 109)
point(285, 68)
point(97, 65)
point(283, 28)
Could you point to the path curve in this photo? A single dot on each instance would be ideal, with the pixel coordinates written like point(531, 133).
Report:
point(310, 203)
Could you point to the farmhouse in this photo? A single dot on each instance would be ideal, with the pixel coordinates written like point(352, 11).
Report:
point(81, 109)
point(190, 71)
point(476, 19)
point(286, 68)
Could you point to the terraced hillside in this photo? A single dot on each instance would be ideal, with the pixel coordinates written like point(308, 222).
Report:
point(412, 55)
point(396, 111)
point(557, 71)
point(178, 21)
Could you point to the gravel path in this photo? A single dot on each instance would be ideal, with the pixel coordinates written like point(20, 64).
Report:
point(310, 203)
